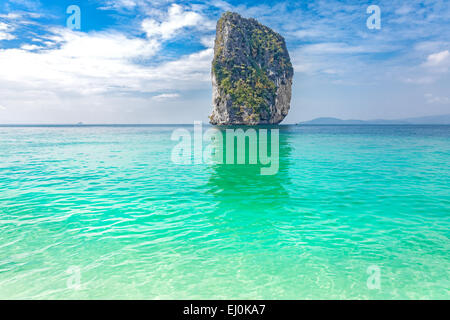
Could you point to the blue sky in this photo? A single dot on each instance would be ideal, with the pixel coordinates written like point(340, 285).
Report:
point(141, 61)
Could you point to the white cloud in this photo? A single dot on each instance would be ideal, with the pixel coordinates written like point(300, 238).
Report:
point(11, 16)
point(433, 69)
point(307, 33)
point(30, 47)
point(208, 42)
point(177, 19)
point(122, 4)
point(64, 83)
point(6, 36)
point(419, 79)
point(2, 107)
point(165, 96)
point(403, 10)
point(339, 48)
point(438, 59)
point(333, 59)
point(126, 3)
point(431, 46)
point(94, 63)
point(3, 26)
point(195, 66)
point(103, 45)
point(5, 31)
point(430, 99)
point(225, 6)
point(83, 62)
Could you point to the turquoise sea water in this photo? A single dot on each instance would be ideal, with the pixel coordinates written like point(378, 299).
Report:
point(107, 201)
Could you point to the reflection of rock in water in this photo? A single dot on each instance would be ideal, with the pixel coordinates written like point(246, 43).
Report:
point(242, 188)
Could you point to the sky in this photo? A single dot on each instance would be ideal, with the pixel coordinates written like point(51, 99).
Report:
point(149, 61)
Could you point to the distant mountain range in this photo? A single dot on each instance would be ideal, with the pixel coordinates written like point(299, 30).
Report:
point(440, 119)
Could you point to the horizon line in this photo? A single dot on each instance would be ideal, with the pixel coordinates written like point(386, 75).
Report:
point(300, 122)
point(2, 125)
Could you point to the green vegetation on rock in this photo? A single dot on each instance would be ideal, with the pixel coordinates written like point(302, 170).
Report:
point(249, 58)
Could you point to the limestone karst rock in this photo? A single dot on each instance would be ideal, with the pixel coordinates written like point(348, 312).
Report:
point(251, 73)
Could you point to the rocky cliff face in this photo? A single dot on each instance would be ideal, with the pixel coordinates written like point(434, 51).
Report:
point(251, 73)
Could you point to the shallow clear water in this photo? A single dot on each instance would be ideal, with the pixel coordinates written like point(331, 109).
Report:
point(109, 201)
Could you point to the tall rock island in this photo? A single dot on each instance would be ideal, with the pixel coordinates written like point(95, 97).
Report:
point(251, 73)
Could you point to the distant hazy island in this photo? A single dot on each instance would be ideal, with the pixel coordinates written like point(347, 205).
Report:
point(251, 73)
point(438, 119)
